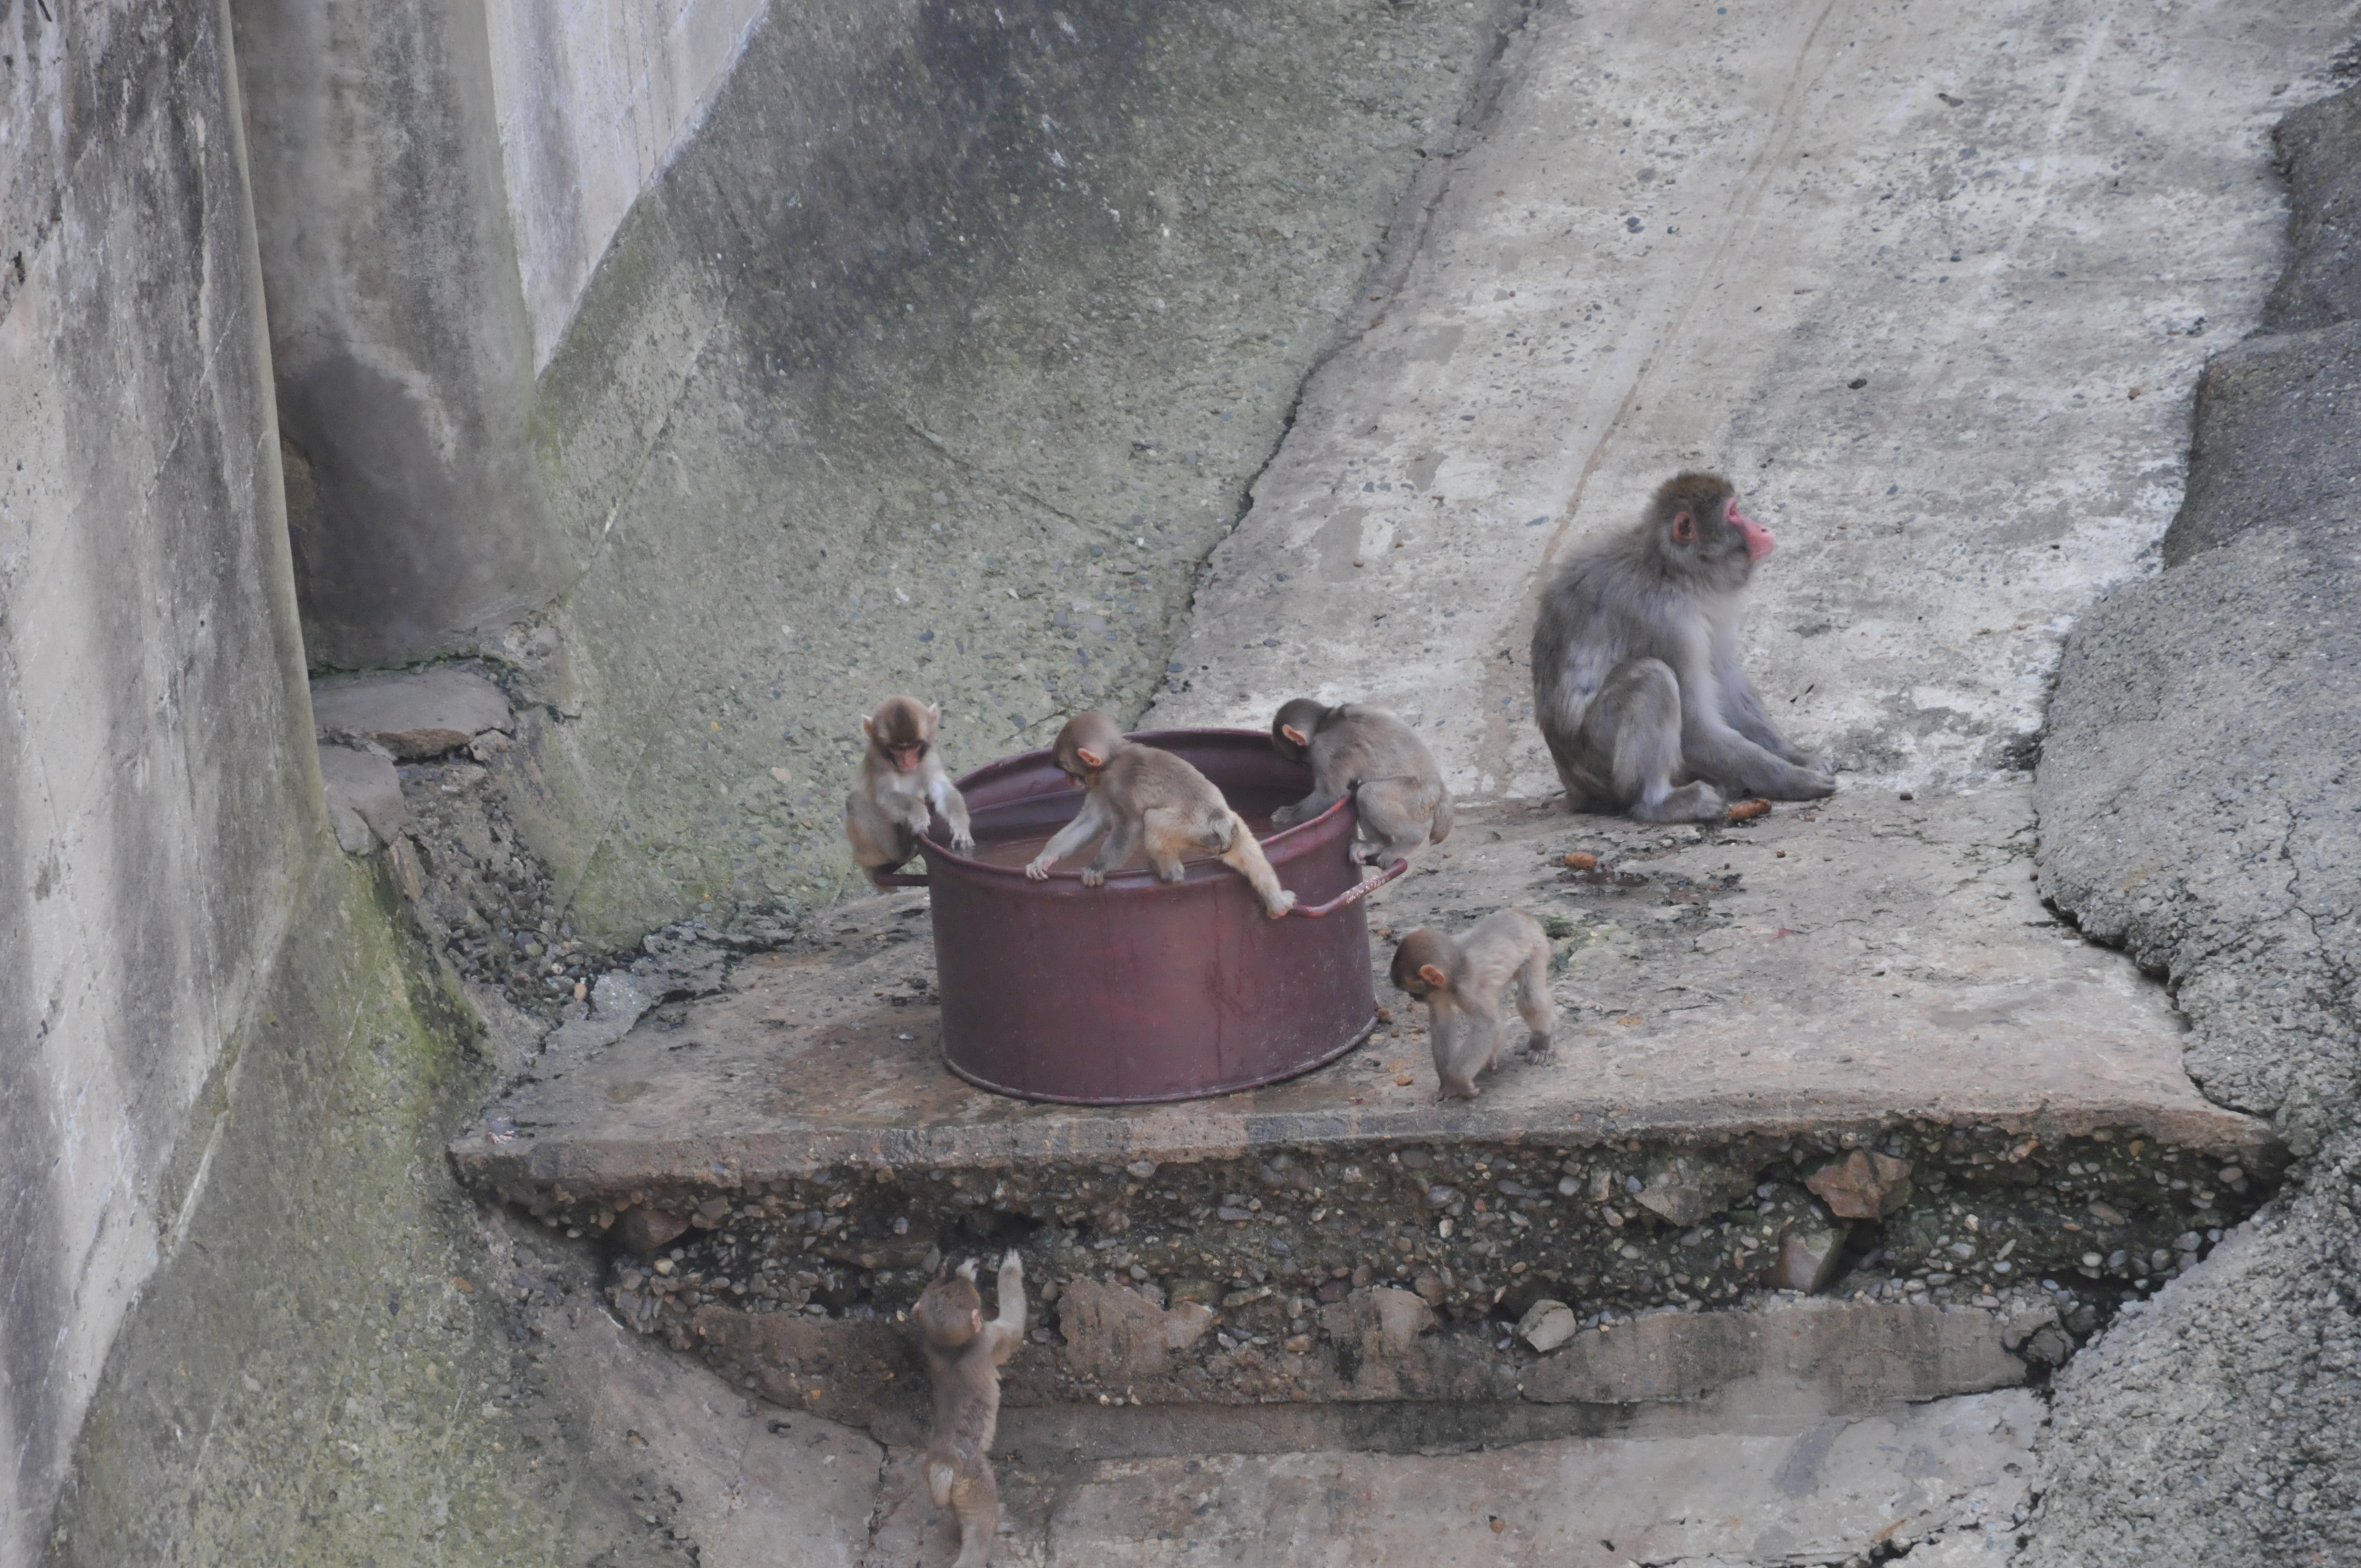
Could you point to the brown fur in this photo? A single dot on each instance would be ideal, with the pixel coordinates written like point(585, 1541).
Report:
point(1637, 683)
point(964, 1352)
point(1371, 755)
point(1465, 975)
point(1137, 793)
point(900, 785)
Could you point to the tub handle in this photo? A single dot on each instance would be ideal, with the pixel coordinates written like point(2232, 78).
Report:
point(1352, 895)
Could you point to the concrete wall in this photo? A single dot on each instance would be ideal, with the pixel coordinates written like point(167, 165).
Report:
point(2197, 805)
point(936, 360)
point(399, 335)
point(158, 787)
point(592, 101)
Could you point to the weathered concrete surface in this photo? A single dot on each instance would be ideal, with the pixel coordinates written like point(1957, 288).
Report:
point(593, 101)
point(936, 359)
point(1929, 1479)
point(413, 715)
point(398, 336)
point(364, 797)
point(1866, 963)
point(1877, 978)
point(2198, 807)
point(158, 791)
point(1932, 285)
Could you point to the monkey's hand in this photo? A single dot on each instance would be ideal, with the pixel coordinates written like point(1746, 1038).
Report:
point(1092, 876)
point(1279, 907)
point(1012, 1262)
point(1037, 868)
point(1284, 816)
point(962, 839)
point(1538, 1050)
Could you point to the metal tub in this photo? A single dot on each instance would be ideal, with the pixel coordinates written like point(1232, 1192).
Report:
point(1141, 990)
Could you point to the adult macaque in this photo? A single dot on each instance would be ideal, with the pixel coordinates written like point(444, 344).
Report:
point(901, 776)
point(1374, 757)
point(1636, 681)
point(1139, 794)
point(963, 1356)
point(1460, 979)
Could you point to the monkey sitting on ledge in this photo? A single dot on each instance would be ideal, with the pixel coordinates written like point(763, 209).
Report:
point(1637, 686)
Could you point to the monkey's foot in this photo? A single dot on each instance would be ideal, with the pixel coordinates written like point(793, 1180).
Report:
point(1696, 801)
point(1092, 876)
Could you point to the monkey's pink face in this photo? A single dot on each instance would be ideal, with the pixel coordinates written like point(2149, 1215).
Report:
point(907, 757)
point(1759, 541)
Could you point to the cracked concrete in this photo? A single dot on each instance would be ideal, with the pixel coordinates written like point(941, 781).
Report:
point(2198, 807)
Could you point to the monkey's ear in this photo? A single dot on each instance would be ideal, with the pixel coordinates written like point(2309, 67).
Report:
point(1090, 758)
point(1297, 736)
point(1432, 976)
point(933, 713)
point(868, 727)
point(1683, 528)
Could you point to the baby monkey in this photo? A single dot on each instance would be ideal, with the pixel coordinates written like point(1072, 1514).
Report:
point(1140, 793)
point(1456, 975)
point(963, 1356)
point(901, 776)
point(1374, 757)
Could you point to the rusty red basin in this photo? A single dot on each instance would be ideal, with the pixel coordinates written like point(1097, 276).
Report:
point(1140, 991)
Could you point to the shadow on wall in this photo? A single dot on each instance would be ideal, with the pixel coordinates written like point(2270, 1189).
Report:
point(936, 360)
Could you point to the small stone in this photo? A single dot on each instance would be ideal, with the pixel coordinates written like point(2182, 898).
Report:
point(1141, 1168)
point(1806, 1258)
point(1863, 1186)
point(642, 1229)
point(1430, 1288)
point(1547, 1325)
point(1297, 1345)
point(1684, 1188)
point(1582, 860)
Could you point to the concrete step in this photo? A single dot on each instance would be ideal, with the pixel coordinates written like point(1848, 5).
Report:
point(1945, 1482)
point(1840, 1049)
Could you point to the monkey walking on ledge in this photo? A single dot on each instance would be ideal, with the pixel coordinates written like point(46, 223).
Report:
point(1637, 686)
point(963, 1356)
point(1461, 978)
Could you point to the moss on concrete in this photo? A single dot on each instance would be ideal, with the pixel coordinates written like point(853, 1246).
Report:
point(321, 1373)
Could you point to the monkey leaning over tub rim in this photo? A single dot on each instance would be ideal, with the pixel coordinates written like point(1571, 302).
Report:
point(1353, 748)
point(1638, 686)
point(1137, 795)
